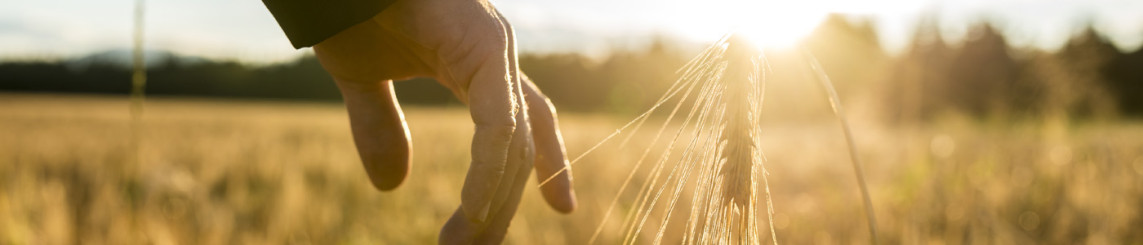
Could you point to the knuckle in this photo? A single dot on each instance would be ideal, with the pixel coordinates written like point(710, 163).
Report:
point(471, 47)
point(497, 125)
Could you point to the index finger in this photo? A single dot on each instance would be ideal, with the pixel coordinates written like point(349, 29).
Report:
point(551, 157)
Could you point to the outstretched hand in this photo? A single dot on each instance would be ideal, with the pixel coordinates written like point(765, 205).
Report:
point(470, 49)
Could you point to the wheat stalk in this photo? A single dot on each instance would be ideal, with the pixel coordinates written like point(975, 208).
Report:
point(835, 104)
point(724, 210)
point(739, 157)
point(723, 150)
point(722, 156)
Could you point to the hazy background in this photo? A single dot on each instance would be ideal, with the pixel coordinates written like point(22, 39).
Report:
point(1010, 122)
point(235, 49)
point(245, 31)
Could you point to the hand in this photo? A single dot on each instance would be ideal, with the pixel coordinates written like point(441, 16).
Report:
point(470, 49)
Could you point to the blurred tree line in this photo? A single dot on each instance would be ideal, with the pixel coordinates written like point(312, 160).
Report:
point(982, 76)
point(303, 79)
point(1087, 78)
point(623, 82)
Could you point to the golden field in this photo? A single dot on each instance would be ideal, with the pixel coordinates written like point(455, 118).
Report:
point(253, 172)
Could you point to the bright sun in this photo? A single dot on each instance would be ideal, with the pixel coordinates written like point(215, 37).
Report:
point(775, 24)
point(778, 30)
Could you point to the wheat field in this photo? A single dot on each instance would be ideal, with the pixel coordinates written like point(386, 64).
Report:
point(254, 172)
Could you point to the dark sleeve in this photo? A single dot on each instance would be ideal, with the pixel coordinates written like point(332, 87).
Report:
point(308, 22)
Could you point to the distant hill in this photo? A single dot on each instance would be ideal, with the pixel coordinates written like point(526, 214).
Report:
point(123, 58)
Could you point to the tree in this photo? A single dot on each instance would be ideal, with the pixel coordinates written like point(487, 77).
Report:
point(984, 79)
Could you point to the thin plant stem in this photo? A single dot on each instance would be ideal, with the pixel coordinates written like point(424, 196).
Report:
point(138, 80)
point(835, 103)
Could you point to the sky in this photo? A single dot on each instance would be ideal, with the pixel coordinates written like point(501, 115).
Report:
point(245, 31)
